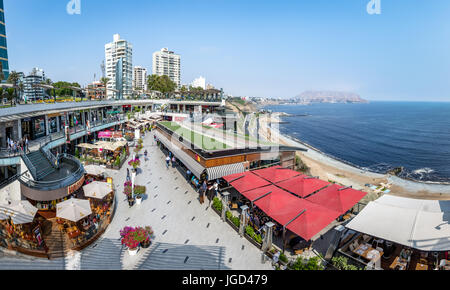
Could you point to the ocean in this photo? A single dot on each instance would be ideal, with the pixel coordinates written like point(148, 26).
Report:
point(378, 136)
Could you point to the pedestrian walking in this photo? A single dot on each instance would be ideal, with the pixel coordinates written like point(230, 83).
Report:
point(167, 161)
point(216, 189)
point(26, 145)
point(203, 189)
point(145, 154)
point(173, 161)
point(188, 175)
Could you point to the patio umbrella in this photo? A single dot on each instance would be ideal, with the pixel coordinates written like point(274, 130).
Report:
point(21, 212)
point(73, 209)
point(94, 170)
point(97, 189)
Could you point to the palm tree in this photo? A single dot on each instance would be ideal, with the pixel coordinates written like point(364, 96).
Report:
point(105, 82)
point(14, 80)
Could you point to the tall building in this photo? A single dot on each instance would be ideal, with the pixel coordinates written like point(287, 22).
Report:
point(119, 67)
point(167, 63)
point(4, 65)
point(30, 92)
point(140, 78)
point(199, 82)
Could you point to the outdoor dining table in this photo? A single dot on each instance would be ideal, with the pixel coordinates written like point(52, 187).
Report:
point(421, 267)
point(397, 262)
point(367, 252)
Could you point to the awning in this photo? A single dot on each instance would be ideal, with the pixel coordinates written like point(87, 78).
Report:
point(300, 216)
point(20, 212)
point(246, 181)
point(420, 224)
point(221, 171)
point(276, 174)
point(303, 185)
point(196, 168)
point(87, 146)
point(337, 198)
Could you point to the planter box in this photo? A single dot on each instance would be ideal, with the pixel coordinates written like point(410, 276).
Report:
point(252, 241)
point(232, 225)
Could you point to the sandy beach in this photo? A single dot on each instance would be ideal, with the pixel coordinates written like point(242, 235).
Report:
point(328, 168)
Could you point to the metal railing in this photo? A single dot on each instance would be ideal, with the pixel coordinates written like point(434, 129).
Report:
point(29, 164)
point(60, 183)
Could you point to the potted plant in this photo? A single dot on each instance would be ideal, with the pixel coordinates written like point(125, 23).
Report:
point(145, 236)
point(135, 163)
point(128, 192)
point(139, 192)
point(130, 240)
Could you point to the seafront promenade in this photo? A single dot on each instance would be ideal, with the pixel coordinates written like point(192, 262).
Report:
point(187, 235)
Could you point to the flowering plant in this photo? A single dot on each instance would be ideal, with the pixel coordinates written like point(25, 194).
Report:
point(135, 163)
point(127, 188)
point(131, 237)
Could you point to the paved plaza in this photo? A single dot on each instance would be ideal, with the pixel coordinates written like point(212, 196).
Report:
point(188, 235)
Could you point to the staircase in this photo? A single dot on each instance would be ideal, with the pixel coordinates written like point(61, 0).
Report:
point(41, 163)
point(56, 242)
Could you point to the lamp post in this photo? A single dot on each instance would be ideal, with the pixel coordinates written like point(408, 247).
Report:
point(267, 243)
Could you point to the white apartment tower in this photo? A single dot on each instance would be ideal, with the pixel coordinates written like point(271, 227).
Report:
point(167, 63)
point(119, 68)
point(140, 78)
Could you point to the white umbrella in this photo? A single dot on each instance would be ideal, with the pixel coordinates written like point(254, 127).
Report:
point(94, 170)
point(97, 189)
point(21, 212)
point(73, 209)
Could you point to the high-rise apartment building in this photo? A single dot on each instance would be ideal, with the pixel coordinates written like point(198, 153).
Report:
point(140, 78)
point(30, 92)
point(167, 63)
point(4, 69)
point(119, 68)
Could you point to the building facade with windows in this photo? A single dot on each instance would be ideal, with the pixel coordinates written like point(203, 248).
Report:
point(30, 92)
point(167, 63)
point(4, 69)
point(140, 78)
point(119, 68)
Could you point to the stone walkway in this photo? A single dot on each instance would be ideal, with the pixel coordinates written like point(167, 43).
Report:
point(187, 235)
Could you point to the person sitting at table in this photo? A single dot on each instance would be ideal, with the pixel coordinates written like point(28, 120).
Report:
point(405, 255)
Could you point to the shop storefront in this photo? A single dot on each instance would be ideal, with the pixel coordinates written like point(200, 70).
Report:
point(27, 128)
point(38, 127)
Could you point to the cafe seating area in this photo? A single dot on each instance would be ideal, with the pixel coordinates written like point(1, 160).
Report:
point(370, 251)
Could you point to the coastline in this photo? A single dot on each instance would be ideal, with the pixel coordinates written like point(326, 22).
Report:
point(329, 168)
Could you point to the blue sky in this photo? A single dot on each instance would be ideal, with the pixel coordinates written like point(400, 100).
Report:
point(255, 48)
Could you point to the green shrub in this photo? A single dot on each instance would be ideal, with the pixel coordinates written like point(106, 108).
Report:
point(236, 221)
point(341, 263)
point(229, 215)
point(283, 258)
point(258, 238)
point(217, 204)
point(311, 264)
point(250, 231)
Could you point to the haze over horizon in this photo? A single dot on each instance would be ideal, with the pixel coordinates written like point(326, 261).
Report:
point(256, 48)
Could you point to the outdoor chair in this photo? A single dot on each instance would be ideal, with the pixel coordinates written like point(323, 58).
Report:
point(366, 238)
point(380, 249)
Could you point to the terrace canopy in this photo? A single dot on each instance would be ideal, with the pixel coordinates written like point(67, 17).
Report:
point(337, 198)
point(73, 209)
point(302, 185)
point(196, 168)
point(420, 224)
point(88, 146)
point(300, 216)
point(246, 181)
point(110, 146)
point(276, 174)
point(94, 170)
